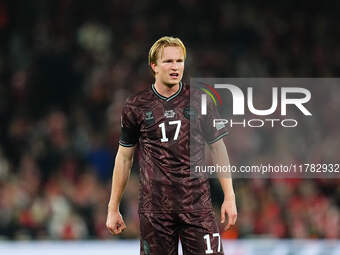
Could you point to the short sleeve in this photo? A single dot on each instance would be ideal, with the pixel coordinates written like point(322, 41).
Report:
point(210, 132)
point(129, 126)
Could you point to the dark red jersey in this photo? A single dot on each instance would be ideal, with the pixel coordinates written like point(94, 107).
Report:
point(161, 126)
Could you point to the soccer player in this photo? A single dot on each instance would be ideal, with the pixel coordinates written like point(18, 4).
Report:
point(173, 204)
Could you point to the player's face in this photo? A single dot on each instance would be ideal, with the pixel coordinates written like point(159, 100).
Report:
point(170, 66)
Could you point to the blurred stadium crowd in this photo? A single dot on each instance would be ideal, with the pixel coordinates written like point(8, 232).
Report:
point(67, 66)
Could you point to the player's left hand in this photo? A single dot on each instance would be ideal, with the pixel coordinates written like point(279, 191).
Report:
point(229, 207)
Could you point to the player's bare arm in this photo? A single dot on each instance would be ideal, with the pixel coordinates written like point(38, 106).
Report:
point(121, 173)
point(220, 156)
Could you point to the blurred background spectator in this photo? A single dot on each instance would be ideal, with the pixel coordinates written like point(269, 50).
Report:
point(67, 66)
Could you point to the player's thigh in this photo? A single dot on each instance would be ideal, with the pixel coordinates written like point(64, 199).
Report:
point(200, 234)
point(158, 234)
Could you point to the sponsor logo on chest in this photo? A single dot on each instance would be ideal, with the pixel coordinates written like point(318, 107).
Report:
point(169, 114)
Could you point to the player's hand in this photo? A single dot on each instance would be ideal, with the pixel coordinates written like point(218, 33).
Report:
point(115, 223)
point(229, 207)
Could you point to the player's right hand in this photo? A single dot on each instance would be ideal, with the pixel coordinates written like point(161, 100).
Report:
point(115, 223)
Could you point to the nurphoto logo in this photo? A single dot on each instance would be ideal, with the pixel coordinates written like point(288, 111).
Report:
point(281, 99)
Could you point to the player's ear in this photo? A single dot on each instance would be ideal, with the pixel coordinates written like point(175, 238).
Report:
point(154, 67)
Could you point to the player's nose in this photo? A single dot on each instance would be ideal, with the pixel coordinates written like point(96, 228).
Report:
point(174, 66)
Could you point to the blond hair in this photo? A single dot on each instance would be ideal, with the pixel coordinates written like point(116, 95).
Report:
point(160, 44)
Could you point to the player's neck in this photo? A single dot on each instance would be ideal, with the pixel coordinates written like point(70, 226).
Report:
point(166, 90)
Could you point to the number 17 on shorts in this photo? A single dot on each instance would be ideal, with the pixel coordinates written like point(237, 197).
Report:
point(207, 239)
point(215, 238)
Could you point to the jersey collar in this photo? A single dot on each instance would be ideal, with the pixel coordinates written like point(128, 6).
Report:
point(167, 98)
